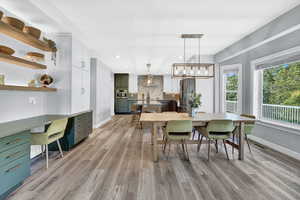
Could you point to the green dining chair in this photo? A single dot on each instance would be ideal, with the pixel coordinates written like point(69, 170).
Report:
point(247, 130)
point(216, 130)
point(177, 131)
point(54, 132)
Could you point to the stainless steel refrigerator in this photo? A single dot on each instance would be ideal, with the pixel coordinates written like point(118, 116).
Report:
point(187, 87)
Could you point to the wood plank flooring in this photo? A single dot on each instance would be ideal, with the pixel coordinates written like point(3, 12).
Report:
point(115, 163)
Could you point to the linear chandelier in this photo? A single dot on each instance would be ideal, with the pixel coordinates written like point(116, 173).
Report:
point(192, 69)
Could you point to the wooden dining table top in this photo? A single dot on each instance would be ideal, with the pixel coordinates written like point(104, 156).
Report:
point(201, 117)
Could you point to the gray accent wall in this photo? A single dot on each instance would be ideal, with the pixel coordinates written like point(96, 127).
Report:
point(286, 138)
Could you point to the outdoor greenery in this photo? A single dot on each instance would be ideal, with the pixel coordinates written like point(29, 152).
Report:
point(231, 86)
point(281, 85)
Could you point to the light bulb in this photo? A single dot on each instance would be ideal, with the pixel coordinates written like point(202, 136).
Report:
point(206, 71)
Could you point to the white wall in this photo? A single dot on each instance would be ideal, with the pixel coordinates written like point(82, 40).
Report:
point(206, 88)
point(15, 104)
point(102, 92)
point(133, 83)
point(171, 85)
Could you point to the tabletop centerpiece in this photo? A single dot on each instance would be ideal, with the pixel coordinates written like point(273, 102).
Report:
point(195, 102)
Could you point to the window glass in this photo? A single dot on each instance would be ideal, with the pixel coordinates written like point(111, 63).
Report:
point(231, 93)
point(281, 93)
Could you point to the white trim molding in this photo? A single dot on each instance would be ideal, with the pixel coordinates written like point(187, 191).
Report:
point(256, 76)
point(275, 147)
point(270, 39)
point(233, 67)
point(102, 122)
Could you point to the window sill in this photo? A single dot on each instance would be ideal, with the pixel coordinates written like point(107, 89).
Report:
point(295, 129)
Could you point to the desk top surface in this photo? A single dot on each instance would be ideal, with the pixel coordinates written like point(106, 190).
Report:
point(201, 117)
point(17, 126)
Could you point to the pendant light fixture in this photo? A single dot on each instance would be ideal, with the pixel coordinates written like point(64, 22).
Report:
point(192, 69)
point(149, 76)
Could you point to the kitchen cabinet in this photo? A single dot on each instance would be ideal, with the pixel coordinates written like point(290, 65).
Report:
point(80, 89)
point(121, 81)
point(122, 105)
point(14, 161)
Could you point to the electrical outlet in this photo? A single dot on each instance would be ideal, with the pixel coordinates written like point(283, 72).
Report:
point(32, 100)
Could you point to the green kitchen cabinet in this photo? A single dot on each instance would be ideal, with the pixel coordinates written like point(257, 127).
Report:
point(14, 162)
point(121, 81)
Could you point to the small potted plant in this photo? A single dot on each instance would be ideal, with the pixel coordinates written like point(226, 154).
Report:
point(194, 102)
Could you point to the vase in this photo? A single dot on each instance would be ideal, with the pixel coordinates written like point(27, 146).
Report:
point(194, 112)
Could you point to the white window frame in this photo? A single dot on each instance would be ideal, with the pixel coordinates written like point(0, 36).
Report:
point(256, 80)
point(234, 67)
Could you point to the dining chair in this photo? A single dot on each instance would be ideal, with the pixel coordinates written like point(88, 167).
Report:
point(54, 132)
point(178, 131)
point(247, 130)
point(195, 128)
point(216, 130)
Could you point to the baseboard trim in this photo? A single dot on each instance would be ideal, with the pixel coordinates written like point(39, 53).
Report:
point(275, 147)
point(102, 122)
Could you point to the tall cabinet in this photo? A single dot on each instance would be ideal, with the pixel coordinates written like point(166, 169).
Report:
point(80, 93)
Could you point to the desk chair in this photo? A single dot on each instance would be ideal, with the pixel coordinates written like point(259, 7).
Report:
point(54, 132)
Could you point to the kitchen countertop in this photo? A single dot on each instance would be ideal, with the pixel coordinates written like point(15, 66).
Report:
point(152, 102)
point(17, 126)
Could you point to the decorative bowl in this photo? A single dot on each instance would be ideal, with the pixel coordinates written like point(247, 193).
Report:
point(34, 32)
point(6, 50)
point(35, 57)
point(18, 24)
point(46, 80)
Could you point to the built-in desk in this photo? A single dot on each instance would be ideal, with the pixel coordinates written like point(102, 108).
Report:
point(15, 145)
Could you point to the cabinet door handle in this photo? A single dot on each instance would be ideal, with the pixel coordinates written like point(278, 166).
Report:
point(14, 141)
point(13, 168)
point(82, 90)
point(13, 155)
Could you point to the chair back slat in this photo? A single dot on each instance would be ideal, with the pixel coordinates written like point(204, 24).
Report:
point(57, 126)
point(179, 126)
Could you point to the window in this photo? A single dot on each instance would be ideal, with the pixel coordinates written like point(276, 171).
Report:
point(231, 91)
point(280, 90)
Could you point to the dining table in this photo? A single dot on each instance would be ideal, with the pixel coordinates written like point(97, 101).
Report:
point(158, 120)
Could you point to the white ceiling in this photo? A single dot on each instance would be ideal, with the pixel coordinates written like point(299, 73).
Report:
point(142, 31)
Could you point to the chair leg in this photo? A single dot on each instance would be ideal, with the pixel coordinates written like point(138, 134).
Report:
point(165, 144)
point(208, 149)
point(59, 147)
point(42, 149)
point(248, 143)
point(182, 144)
point(233, 139)
point(169, 150)
point(186, 149)
point(194, 131)
point(47, 164)
point(216, 144)
point(199, 144)
point(225, 149)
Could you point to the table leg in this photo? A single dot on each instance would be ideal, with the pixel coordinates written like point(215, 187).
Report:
point(241, 141)
point(155, 153)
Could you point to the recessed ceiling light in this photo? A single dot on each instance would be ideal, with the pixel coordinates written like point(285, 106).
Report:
point(180, 57)
point(117, 57)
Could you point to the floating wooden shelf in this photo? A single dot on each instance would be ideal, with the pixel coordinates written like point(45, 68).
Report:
point(24, 37)
point(25, 88)
point(21, 62)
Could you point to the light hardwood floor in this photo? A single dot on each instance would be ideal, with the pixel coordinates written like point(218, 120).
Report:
point(115, 162)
